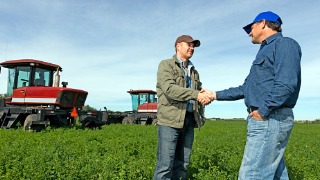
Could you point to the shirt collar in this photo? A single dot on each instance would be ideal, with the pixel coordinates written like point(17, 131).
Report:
point(272, 38)
point(182, 63)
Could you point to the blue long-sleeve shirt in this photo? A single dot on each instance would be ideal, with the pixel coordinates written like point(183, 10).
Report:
point(275, 77)
point(188, 81)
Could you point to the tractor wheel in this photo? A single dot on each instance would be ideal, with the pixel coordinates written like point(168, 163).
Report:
point(88, 122)
point(28, 122)
point(128, 120)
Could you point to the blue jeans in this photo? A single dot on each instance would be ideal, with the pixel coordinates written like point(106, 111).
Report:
point(266, 142)
point(174, 150)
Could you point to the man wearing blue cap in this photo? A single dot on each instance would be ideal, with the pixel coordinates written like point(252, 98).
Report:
point(270, 92)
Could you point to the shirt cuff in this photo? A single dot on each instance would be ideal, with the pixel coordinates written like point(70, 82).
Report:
point(264, 112)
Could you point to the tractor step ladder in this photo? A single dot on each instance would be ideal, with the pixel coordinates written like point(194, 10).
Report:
point(9, 120)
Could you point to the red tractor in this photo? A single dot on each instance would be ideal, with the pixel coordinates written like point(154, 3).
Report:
point(144, 107)
point(34, 99)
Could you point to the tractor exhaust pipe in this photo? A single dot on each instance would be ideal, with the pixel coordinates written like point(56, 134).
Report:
point(57, 79)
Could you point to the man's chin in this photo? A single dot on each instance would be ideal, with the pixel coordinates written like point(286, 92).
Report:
point(254, 42)
point(190, 55)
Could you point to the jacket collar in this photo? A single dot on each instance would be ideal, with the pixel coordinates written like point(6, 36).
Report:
point(178, 61)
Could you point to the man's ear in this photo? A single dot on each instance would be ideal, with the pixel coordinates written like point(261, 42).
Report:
point(178, 46)
point(263, 23)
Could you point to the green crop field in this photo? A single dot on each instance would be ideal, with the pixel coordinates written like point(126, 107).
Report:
point(129, 152)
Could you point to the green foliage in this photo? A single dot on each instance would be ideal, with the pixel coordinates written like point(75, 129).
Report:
point(2, 96)
point(217, 151)
point(317, 121)
point(88, 108)
point(303, 152)
point(129, 152)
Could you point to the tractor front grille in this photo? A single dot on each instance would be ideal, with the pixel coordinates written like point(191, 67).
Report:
point(70, 99)
point(81, 99)
point(66, 98)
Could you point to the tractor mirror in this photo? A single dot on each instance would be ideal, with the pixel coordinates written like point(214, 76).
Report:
point(64, 84)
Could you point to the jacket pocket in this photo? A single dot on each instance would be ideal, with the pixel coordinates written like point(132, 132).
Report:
point(262, 68)
point(170, 111)
point(258, 62)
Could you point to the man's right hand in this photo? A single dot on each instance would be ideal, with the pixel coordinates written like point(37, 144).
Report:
point(205, 96)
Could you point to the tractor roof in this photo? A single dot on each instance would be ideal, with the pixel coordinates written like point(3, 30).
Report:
point(30, 62)
point(141, 91)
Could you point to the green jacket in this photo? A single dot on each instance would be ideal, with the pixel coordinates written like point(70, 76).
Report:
point(173, 94)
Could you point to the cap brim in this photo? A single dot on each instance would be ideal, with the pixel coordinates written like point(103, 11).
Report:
point(247, 28)
point(196, 43)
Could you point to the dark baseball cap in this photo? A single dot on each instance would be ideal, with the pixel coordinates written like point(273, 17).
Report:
point(187, 39)
point(269, 16)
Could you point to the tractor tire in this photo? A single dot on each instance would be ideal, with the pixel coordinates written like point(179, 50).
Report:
point(28, 122)
point(88, 122)
point(128, 120)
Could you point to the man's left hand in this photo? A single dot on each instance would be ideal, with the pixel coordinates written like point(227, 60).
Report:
point(255, 114)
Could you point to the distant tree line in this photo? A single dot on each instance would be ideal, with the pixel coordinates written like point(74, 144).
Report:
point(88, 108)
point(316, 121)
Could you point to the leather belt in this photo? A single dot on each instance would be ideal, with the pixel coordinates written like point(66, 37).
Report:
point(251, 109)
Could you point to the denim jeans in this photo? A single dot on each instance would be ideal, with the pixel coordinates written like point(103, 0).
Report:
point(266, 142)
point(174, 150)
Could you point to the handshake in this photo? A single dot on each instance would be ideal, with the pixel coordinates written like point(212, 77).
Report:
point(205, 96)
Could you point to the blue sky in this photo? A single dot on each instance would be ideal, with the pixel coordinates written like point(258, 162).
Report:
point(109, 47)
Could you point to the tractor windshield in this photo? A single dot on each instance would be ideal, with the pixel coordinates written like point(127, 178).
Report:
point(41, 77)
point(142, 98)
point(11, 75)
point(153, 98)
point(21, 76)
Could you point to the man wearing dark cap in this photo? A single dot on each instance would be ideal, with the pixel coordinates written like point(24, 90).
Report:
point(270, 92)
point(178, 90)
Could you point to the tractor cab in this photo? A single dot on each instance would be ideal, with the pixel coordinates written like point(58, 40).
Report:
point(144, 107)
point(35, 100)
point(140, 97)
point(29, 72)
point(31, 82)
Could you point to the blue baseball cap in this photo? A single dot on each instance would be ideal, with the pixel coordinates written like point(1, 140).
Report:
point(269, 16)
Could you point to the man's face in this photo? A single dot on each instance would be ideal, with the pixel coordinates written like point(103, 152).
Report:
point(185, 50)
point(256, 32)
